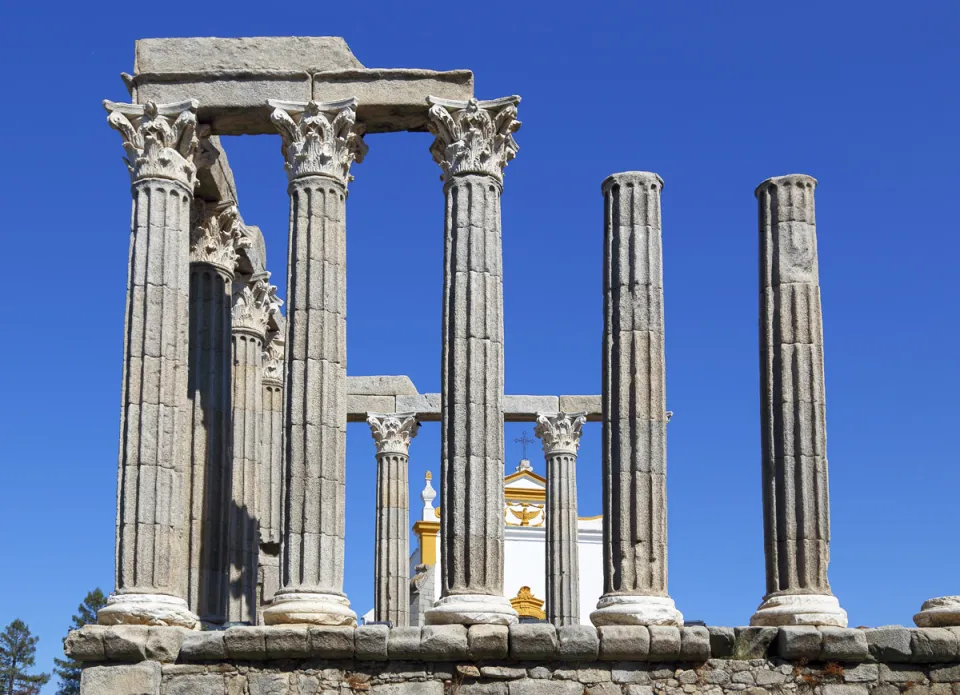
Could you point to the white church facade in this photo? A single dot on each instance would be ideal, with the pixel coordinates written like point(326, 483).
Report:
point(524, 571)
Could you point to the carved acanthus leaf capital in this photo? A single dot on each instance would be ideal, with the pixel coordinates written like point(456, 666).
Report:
point(392, 433)
point(254, 301)
point(319, 138)
point(160, 139)
point(473, 137)
point(217, 237)
point(560, 432)
point(273, 358)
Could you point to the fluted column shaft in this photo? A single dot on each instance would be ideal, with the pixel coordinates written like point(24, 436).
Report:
point(316, 378)
point(560, 434)
point(392, 435)
point(253, 302)
point(271, 465)
point(793, 414)
point(151, 577)
point(634, 407)
point(215, 240)
point(243, 522)
point(471, 466)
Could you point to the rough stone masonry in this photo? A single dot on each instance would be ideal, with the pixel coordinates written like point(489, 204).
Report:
point(231, 486)
point(529, 659)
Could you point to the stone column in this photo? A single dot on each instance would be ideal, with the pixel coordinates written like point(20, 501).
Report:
point(560, 434)
point(271, 462)
point(215, 240)
point(320, 142)
point(796, 513)
point(474, 141)
point(254, 300)
point(392, 435)
point(634, 408)
point(151, 576)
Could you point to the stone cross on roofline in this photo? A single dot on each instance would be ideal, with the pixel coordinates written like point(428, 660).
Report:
point(523, 440)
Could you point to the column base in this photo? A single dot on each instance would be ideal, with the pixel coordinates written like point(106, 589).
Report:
point(634, 609)
point(309, 608)
point(939, 612)
point(147, 609)
point(800, 609)
point(471, 609)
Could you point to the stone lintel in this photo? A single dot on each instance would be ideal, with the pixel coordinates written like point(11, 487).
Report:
point(233, 101)
point(398, 394)
point(427, 406)
point(400, 385)
point(198, 54)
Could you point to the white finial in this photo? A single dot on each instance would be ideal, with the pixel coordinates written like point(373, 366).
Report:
point(428, 495)
point(524, 465)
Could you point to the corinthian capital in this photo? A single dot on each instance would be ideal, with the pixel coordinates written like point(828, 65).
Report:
point(473, 137)
point(273, 358)
point(217, 237)
point(254, 301)
point(319, 138)
point(392, 433)
point(560, 432)
point(160, 139)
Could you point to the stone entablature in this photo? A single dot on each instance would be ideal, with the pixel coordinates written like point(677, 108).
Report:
point(521, 659)
point(232, 78)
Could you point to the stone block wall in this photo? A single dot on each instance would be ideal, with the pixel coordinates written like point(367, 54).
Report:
point(529, 659)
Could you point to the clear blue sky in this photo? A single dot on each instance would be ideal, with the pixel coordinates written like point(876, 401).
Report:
point(715, 97)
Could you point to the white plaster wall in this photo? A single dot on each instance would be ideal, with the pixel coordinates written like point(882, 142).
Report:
point(524, 560)
point(525, 563)
point(590, 548)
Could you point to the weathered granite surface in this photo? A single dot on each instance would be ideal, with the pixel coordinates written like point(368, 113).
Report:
point(634, 460)
point(560, 435)
point(271, 462)
point(392, 434)
point(320, 143)
point(362, 399)
point(473, 144)
point(796, 498)
point(151, 578)
point(233, 78)
point(215, 242)
point(521, 659)
point(254, 302)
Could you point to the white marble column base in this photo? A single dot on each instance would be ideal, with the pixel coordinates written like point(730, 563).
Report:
point(147, 609)
point(471, 609)
point(632, 609)
point(308, 608)
point(939, 612)
point(800, 609)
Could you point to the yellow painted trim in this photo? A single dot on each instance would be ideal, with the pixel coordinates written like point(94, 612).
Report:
point(427, 532)
point(523, 474)
point(590, 518)
point(525, 516)
point(528, 605)
point(526, 494)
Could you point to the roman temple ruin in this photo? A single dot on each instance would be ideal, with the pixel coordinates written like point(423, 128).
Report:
point(231, 484)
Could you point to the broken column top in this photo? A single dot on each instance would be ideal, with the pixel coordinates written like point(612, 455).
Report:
point(234, 78)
